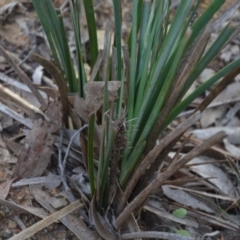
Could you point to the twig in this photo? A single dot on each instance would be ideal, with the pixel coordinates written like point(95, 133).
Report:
point(62, 164)
point(21, 224)
point(8, 111)
point(162, 235)
point(177, 154)
point(153, 186)
point(71, 141)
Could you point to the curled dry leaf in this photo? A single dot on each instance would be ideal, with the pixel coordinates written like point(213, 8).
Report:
point(35, 155)
point(94, 97)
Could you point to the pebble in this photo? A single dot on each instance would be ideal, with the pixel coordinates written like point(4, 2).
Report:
point(226, 56)
point(235, 49)
point(7, 234)
point(12, 224)
point(206, 74)
point(58, 202)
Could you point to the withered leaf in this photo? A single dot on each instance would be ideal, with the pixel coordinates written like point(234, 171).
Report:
point(5, 187)
point(35, 155)
point(95, 93)
point(94, 97)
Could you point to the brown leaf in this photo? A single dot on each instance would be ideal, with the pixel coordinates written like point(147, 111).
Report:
point(95, 93)
point(94, 97)
point(35, 155)
point(36, 211)
point(5, 187)
point(75, 224)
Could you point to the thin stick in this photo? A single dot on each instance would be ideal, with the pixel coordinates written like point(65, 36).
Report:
point(46, 221)
point(153, 186)
point(62, 164)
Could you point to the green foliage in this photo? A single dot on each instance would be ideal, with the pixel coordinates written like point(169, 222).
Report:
point(180, 212)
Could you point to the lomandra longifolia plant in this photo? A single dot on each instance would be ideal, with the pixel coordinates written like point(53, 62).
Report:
point(136, 90)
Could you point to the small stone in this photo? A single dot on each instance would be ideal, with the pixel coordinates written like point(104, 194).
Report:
point(7, 234)
point(237, 78)
point(206, 74)
point(12, 224)
point(58, 202)
point(226, 48)
point(226, 56)
point(235, 49)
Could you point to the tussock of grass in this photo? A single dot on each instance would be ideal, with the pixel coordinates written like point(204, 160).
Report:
point(161, 62)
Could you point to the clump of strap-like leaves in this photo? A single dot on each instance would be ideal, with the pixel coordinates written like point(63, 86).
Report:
point(151, 76)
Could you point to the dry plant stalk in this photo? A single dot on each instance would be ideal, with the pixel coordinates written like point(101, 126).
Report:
point(150, 189)
point(57, 76)
point(154, 153)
